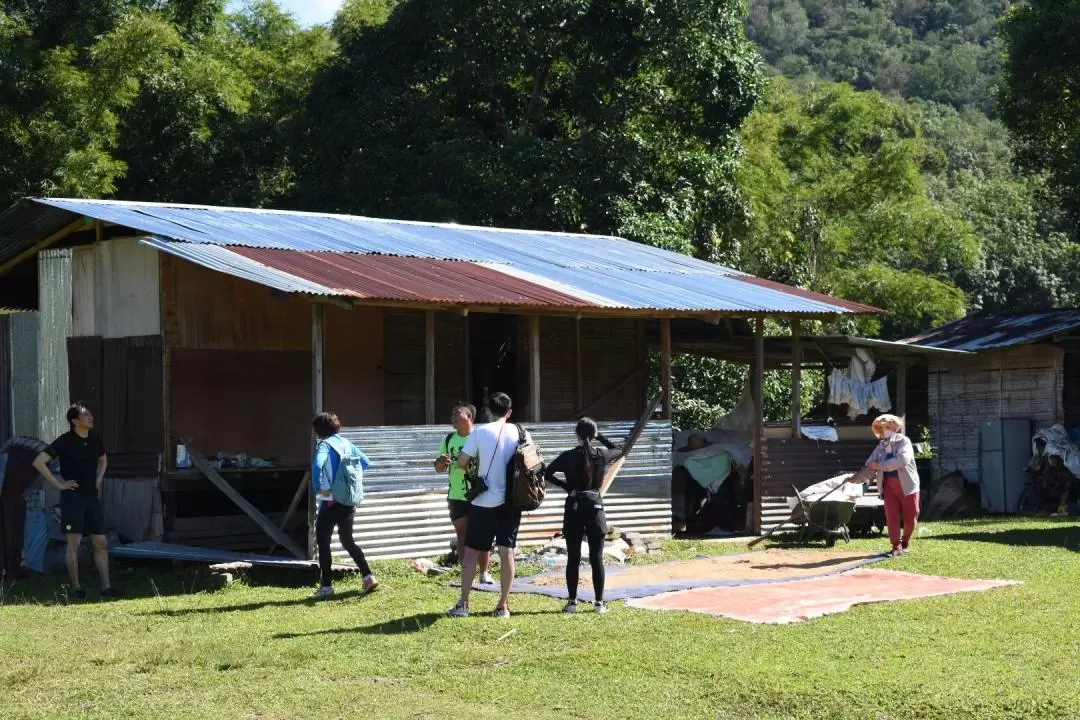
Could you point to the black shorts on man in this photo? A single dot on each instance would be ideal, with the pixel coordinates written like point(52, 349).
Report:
point(80, 513)
point(486, 524)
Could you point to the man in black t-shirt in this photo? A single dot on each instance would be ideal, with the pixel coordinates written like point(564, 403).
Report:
point(82, 467)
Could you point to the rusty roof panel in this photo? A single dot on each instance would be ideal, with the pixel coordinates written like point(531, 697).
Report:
point(986, 330)
point(388, 277)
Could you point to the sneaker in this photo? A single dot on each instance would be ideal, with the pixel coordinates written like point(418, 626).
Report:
point(501, 612)
point(904, 549)
point(486, 579)
point(571, 607)
point(110, 593)
point(460, 609)
point(600, 607)
point(370, 584)
point(323, 592)
point(895, 552)
point(78, 594)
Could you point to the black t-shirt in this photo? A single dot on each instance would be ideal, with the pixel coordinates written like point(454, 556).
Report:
point(78, 458)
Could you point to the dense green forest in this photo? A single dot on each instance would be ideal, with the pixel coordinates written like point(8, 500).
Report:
point(913, 154)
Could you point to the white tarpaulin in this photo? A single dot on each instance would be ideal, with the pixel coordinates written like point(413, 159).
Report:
point(1059, 444)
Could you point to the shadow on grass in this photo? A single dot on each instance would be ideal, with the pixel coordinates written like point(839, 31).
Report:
point(410, 624)
point(1065, 535)
point(54, 589)
point(248, 607)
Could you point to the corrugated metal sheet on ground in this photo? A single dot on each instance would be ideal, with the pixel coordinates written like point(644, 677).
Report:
point(986, 331)
point(170, 551)
point(404, 514)
point(596, 270)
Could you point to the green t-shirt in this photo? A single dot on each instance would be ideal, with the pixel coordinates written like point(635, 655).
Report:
point(457, 475)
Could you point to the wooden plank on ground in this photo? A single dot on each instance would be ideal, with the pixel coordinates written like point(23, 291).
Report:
point(268, 527)
point(635, 433)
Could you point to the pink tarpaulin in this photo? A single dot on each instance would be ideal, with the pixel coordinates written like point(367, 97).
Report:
point(798, 600)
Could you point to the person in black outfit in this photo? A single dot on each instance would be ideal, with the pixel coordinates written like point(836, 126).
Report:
point(584, 467)
point(82, 468)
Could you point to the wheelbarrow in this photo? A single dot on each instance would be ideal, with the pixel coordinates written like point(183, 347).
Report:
point(828, 516)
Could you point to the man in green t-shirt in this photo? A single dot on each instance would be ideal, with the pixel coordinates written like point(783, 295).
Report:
point(461, 418)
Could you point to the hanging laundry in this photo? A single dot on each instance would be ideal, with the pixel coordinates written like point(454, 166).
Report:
point(853, 387)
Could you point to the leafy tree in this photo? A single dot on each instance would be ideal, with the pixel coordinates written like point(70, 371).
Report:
point(1040, 97)
point(571, 115)
point(839, 203)
point(218, 121)
point(66, 71)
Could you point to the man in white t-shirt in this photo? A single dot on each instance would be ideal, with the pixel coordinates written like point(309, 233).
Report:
point(491, 517)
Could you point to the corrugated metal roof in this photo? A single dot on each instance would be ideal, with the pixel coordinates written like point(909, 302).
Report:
point(535, 266)
point(987, 330)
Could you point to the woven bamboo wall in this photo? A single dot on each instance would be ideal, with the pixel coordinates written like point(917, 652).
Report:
point(1020, 382)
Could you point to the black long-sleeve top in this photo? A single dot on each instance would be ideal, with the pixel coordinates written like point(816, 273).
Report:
point(572, 465)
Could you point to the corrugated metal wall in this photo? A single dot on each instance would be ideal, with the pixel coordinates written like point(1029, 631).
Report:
point(54, 293)
point(404, 513)
point(25, 418)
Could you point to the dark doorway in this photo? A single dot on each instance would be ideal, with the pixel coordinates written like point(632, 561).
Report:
point(493, 354)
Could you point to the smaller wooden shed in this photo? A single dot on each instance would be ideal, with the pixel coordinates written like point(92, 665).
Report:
point(1023, 366)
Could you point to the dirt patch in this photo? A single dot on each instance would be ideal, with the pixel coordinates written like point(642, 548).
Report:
point(773, 564)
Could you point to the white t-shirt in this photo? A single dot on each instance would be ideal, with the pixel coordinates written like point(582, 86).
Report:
point(481, 444)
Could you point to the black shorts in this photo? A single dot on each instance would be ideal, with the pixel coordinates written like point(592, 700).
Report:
point(583, 518)
point(498, 524)
point(458, 509)
point(80, 513)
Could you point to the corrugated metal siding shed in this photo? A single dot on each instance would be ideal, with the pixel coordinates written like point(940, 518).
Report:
point(987, 331)
point(404, 513)
point(54, 288)
point(592, 270)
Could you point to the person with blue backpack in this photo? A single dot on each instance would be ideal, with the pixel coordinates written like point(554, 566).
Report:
point(337, 476)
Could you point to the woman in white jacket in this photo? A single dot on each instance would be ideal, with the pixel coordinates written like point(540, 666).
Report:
point(893, 462)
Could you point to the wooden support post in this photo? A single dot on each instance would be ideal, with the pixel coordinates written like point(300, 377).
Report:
point(468, 360)
point(429, 367)
point(796, 378)
point(534, 368)
point(759, 419)
point(268, 527)
point(318, 335)
point(665, 366)
point(579, 388)
point(901, 391)
point(318, 331)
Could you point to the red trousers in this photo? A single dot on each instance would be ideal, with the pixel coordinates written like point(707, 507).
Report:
point(900, 509)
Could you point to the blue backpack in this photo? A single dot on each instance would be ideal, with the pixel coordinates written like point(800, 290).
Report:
point(347, 486)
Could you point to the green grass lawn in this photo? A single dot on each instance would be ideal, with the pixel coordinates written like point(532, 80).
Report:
point(251, 651)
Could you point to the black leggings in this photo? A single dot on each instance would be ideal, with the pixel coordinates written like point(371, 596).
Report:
point(580, 521)
point(341, 517)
